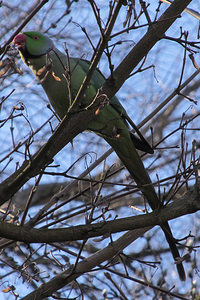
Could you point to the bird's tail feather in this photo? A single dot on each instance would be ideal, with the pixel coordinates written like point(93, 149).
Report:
point(174, 250)
point(135, 166)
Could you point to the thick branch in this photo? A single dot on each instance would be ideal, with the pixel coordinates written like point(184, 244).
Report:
point(187, 204)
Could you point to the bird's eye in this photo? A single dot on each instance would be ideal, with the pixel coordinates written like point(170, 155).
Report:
point(35, 37)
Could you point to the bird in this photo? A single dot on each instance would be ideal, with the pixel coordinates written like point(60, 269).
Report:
point(61, 77)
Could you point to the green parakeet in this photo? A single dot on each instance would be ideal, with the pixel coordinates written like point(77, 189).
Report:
point(61, 78)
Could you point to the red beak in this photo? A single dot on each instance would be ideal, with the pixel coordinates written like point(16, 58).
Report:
point(20, 40)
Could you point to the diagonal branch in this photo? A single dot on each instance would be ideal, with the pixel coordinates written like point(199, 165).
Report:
point(64, 278)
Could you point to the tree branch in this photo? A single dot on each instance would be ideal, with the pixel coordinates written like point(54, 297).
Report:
point(187, 204)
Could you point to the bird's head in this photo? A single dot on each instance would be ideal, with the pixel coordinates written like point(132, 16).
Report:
point(33, 44)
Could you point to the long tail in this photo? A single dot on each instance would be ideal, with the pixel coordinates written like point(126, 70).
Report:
point(134, 165)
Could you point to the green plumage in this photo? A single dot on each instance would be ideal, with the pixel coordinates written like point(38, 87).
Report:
point(61, 79)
